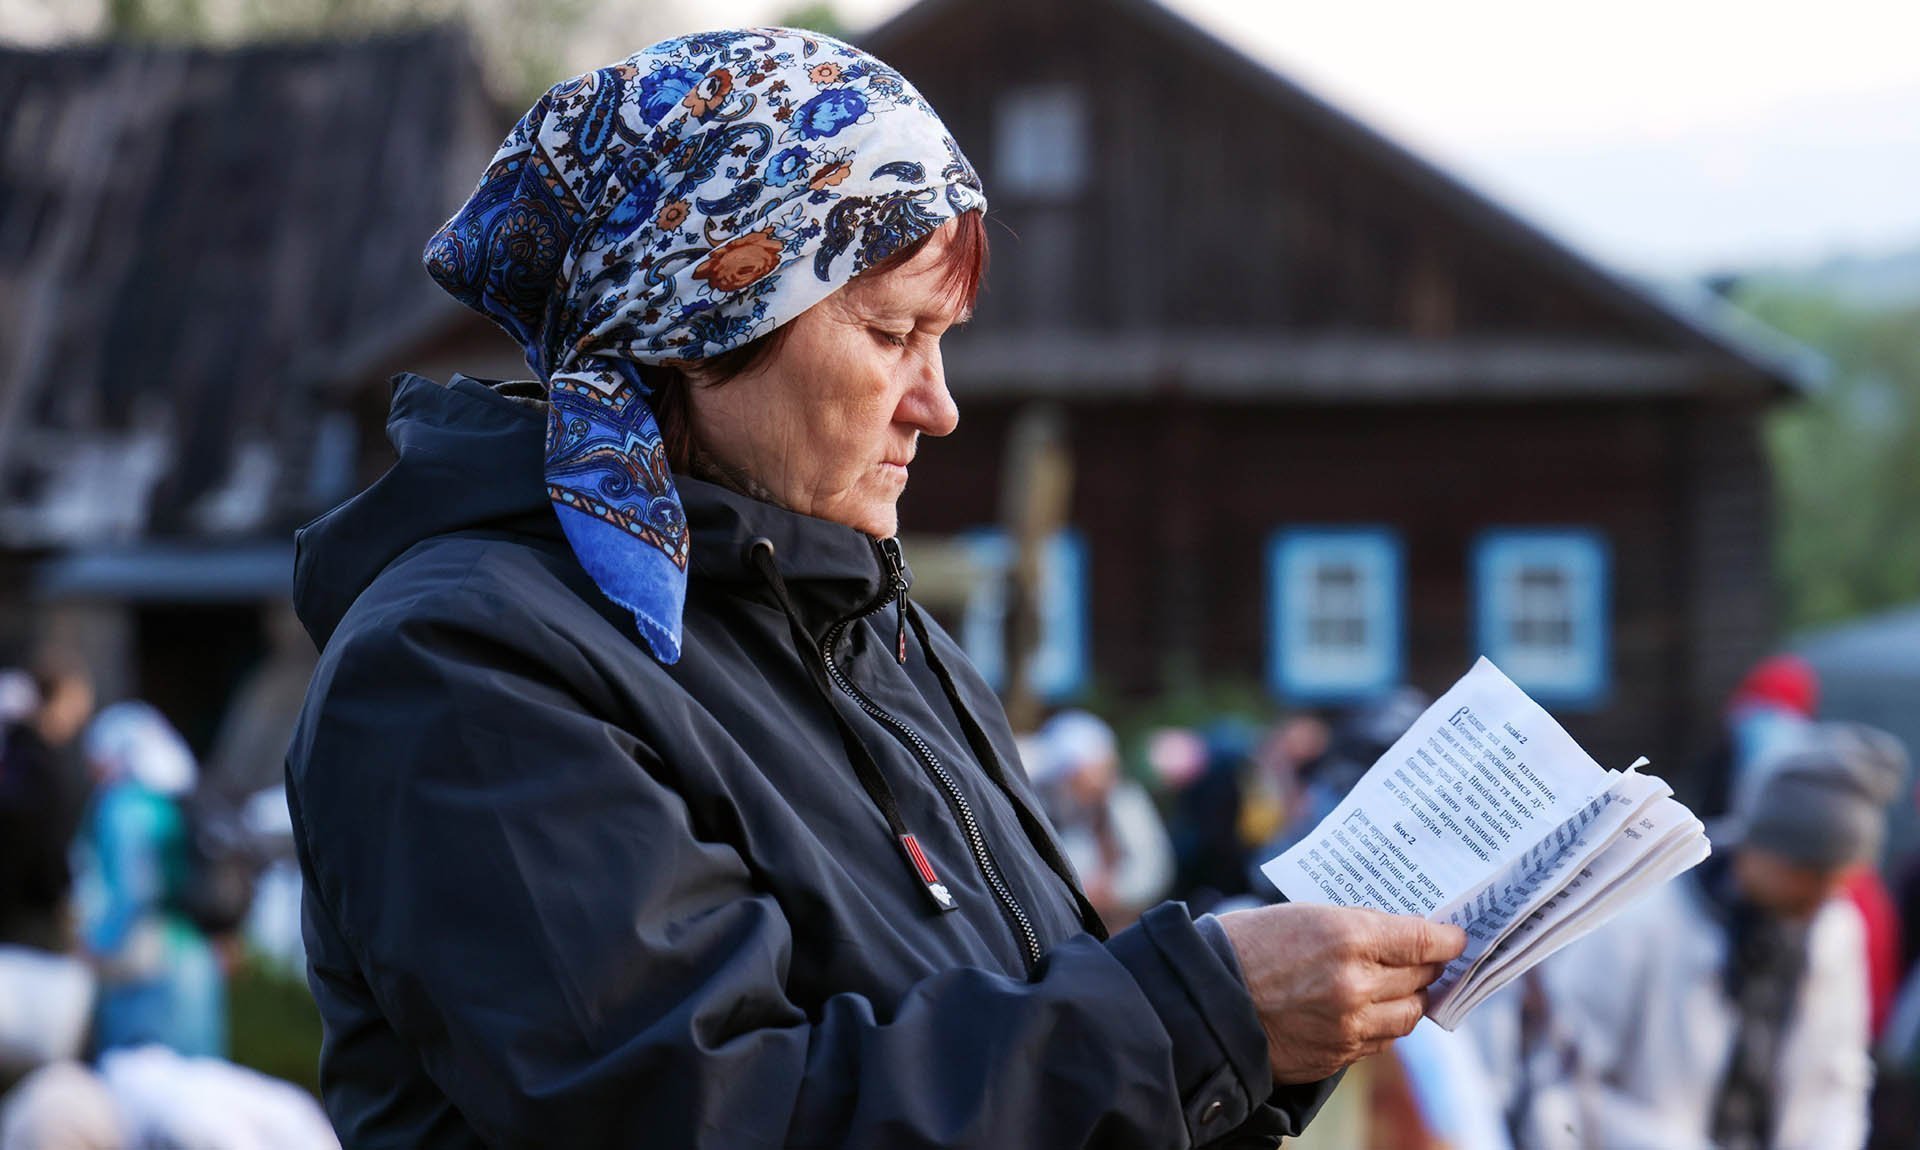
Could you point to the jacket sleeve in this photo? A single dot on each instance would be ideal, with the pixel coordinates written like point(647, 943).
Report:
point(534, 912)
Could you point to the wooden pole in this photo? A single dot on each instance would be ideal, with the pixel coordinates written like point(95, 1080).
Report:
point(1035, 498)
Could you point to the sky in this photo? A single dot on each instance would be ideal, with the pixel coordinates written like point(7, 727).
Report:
point(1664, 137)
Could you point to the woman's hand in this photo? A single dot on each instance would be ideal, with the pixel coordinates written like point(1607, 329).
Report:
point(1334, 984)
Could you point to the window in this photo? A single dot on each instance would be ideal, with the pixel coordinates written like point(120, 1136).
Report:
point(1335, 613)
point(1040, 142)
point(1059, 666)
point(1541, 611)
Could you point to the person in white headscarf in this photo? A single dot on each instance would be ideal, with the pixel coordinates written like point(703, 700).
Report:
point(1108, 825)
point(160, 981)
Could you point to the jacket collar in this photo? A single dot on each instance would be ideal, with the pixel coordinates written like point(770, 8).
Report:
point(832, 571)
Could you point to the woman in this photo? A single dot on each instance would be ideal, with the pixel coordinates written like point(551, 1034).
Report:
point(1106, 823)
point(160, 980)
point(637, 804)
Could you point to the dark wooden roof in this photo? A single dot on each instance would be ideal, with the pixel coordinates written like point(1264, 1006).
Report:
point(190, 238)
point(1237, 216)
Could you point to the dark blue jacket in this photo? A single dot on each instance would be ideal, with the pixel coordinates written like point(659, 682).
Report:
point(560, 895)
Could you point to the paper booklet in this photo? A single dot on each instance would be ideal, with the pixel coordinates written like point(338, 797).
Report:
point(1487, 815)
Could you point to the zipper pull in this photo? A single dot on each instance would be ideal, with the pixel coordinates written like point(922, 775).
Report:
point(891, 549)
point(917, 859)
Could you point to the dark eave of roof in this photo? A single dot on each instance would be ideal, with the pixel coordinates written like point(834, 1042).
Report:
point(1235, 367)
point(171, 572)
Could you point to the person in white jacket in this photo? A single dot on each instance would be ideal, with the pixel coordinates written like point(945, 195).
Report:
point(1728, 1009)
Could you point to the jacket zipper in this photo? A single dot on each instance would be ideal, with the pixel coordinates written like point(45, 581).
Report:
point(957, 801)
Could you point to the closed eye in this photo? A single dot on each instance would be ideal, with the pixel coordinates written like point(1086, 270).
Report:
point(891, 338)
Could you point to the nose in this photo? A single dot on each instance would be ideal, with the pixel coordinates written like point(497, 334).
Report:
point(928, 406)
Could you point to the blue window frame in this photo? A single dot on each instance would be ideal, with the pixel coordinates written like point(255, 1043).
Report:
point(1059, 666)
point(1336, 611)
point(1541, 611)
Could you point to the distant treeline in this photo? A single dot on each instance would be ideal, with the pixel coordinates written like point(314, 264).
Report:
point(1847, 457)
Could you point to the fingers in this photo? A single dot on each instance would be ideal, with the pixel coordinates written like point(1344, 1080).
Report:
point(1374, 1028)
point(1385, 1021)
point(1401, 981)
point(1402, 940)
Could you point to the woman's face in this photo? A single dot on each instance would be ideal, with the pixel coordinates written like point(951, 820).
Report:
point(828, 423)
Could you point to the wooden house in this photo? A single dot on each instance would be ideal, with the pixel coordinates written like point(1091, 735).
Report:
point(194, 245)
point(1337, 420)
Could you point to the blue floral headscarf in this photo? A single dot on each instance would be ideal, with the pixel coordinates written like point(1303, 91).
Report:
point(669, 208)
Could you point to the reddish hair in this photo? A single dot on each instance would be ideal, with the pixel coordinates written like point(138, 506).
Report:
point(964, 270)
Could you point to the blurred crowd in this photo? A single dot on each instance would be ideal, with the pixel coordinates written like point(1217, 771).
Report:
point(129, 890)
point(1770, 998)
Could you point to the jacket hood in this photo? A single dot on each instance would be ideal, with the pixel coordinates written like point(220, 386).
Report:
point(471, 458)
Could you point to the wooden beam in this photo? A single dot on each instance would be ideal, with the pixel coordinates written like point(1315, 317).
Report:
point(1323, 368)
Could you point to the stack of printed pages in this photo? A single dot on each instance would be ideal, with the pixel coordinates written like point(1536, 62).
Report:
point(1487, 815)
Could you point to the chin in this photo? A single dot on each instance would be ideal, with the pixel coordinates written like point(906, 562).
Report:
point(879, 518)
point(880, 524)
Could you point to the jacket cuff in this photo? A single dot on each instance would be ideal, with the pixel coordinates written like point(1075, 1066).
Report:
point(1219, 1050)
point(1298, 1103)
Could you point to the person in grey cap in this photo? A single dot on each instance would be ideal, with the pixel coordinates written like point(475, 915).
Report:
point(1729, 1008)
point(1821, 808)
